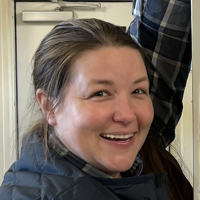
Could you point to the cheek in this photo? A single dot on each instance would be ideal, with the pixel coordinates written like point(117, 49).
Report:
point(94, 119)
point(150, 111)
point(146, 115)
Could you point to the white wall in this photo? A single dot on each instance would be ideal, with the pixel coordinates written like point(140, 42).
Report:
point(182, 147)
point(196, 94)
point(7, 95)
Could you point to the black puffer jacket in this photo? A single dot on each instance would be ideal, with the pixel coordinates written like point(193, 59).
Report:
point(32, 178)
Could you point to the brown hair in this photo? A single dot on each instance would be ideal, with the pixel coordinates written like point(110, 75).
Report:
point(156, 159)
point(65, 42)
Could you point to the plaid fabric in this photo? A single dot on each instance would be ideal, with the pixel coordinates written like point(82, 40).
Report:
point(162, 28)
point(87, 168)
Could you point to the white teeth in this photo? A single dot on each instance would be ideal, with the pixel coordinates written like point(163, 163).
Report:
point(117, 136)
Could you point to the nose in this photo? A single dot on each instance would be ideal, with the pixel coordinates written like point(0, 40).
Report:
point(125, 111)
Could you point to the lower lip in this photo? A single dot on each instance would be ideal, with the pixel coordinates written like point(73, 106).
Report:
point(117, 144)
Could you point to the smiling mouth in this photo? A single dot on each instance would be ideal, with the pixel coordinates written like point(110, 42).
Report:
point(117, 138)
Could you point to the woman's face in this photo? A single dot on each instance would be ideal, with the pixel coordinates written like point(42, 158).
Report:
point(107, 111)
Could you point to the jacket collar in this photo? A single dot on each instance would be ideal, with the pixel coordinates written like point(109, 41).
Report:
point(54, 142)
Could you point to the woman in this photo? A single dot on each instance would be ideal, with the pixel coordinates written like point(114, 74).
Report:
point(92, 85)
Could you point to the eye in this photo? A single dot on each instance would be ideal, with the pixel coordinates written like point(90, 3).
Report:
point(100, 94)
point(138, 91)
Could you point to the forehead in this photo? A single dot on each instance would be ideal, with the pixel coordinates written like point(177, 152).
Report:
point(109, 59)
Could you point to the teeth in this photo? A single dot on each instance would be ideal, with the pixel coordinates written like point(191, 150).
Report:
point(118, 136)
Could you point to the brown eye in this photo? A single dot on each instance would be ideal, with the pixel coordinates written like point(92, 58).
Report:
point(138, 91)
point(100, 94)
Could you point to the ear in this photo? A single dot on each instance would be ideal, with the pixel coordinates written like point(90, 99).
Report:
point(47, 106)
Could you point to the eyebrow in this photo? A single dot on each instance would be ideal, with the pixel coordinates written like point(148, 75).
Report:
point(108, 82)
point(103, 82)
point(145, 78)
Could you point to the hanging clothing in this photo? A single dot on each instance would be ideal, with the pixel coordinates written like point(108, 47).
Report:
point(163, 29)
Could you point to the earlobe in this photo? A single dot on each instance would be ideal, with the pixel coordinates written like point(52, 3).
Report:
point(46, 106)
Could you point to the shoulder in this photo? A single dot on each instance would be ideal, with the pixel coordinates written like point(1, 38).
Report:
point(38, 186)
point(31, 177)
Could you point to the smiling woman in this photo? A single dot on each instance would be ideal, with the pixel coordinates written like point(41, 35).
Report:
point(103, 119)
point(103, 99)
point(92, 84)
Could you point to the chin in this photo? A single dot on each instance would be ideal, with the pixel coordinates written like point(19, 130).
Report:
point(119, 167)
